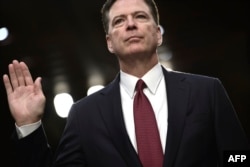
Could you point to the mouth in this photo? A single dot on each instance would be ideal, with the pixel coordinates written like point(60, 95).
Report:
point(133, 38)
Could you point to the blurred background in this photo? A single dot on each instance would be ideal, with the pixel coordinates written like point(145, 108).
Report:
point(63, 42)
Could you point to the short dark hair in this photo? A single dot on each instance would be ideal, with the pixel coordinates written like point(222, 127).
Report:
point(109, 3)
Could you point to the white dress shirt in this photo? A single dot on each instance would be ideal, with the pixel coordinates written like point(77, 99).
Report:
point(156, 93)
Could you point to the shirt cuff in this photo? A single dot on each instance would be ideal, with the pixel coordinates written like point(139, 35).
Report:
point(25, 130)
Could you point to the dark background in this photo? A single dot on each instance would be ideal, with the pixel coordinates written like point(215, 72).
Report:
point(65, 39)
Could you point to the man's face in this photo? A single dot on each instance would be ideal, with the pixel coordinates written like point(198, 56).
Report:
point(132, 29)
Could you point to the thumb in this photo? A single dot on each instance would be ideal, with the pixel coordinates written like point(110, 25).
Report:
point(38, 85)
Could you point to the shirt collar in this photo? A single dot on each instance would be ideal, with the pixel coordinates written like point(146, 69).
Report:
point(152, 79)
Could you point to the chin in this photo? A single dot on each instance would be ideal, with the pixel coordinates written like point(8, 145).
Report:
point(136, 50)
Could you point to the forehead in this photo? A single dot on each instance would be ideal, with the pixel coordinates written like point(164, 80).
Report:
point(125, 7)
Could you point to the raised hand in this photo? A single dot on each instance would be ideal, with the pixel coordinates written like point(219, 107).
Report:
point(25, 96)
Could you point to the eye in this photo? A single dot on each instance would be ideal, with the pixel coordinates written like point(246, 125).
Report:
point(141, 16)
point(118, 21)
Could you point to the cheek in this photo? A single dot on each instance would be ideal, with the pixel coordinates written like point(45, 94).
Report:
point(152, 36)
point(154, 33)
point(150, 31)
point(116, 35)
point(117, 39)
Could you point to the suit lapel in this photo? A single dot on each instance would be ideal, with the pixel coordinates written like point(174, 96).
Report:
point(177, 95)
point(111, 111)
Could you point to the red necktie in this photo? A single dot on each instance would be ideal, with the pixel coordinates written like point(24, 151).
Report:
point(147, 134)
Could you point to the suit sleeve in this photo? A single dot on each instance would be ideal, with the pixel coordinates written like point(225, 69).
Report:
point(33, 150)
point(230, 135)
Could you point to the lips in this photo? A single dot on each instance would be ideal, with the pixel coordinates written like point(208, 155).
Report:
point(133, 38)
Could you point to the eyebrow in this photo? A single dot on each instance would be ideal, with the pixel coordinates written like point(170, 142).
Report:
point(133, 13)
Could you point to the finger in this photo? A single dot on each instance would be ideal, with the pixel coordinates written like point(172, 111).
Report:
point(7, 84)
point(19, 73)
point(26, 73)
point(13, 77)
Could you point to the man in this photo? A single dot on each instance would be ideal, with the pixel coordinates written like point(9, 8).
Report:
point(195, 119)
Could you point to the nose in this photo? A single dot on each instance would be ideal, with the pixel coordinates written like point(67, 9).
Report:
point(131, 24)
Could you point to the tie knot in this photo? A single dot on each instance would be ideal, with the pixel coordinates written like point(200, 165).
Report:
point(140, 85)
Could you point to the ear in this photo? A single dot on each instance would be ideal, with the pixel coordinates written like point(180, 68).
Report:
point(109, 44)
point(159, 36)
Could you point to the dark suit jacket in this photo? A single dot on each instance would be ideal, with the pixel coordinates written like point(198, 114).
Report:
point(201, 125)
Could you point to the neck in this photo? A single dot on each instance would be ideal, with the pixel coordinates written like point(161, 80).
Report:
point(138, 67)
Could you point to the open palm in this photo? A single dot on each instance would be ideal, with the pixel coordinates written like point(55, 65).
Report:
point(25, 96)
